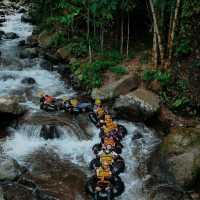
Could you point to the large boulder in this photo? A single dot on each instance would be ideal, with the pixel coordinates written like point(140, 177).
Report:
point(117, 88)
point(9, 169)
point(64, 53)
point(141, 104)
point(27, 18)
point(61, 178)
point(45, 39)
point(10, 105)
point(182, 151)
point(29, 53)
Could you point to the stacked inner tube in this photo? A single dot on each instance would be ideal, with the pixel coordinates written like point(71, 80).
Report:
point(107, 159)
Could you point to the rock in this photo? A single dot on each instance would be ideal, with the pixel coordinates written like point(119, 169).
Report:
point(9, 169)
point(10, 36)
point(27, 18)
point(2, 33)
point(120, 87)
point(10, 105)
point(22, 43)
point(62, 179)
point(1, 194)
point(29, 53)
point(32, 41)
point(17, 192)
point(2, 19)
point(155, 86)
point(45, 64)
point(182, 151)
point(29, 81)
point(167, 192)
point(140, 103)
point(64, 54)
point(45, 39)
point(22, 10)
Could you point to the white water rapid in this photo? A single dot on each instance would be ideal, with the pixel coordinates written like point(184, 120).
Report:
point(25, 139)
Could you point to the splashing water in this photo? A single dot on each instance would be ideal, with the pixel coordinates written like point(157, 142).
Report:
point(26, 139)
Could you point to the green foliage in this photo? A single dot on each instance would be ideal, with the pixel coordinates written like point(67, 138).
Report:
point(113, 55)
point(58, 39)
point(196, 63)
point(183, 48)
point(180, 102)
point(163, 77)
point(79, 49)
point(92, 73)
point(120, 70)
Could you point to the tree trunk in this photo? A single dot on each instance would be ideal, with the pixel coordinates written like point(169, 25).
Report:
point(172, 33)
point(122, 35)
point(88, 37)
point(155, 50)
point(155, 23)
point(128, 36)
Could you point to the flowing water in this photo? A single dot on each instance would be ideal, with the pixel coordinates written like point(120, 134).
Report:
point(26, 139)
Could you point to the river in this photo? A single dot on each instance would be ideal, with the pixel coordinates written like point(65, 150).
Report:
point(24, 140)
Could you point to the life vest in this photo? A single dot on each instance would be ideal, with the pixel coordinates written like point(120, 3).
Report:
point(106, 158)
point(109, 141)
point(74, 102)
point(49, 99)
point(100, 112)
point(103, 174)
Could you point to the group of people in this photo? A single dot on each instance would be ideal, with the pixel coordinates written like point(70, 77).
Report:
point(105, 184)
point(71, 105)
point(108, 164)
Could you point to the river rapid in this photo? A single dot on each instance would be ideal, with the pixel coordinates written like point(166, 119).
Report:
point(25, 139)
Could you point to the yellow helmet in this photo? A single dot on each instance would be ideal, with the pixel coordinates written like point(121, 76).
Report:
point(65, 98)
point(40, 94)
point(74, 102)
point(97, 101)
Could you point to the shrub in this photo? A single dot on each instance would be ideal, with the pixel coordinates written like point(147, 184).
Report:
point(120, 70)
point(163, 77)
point(58, 39)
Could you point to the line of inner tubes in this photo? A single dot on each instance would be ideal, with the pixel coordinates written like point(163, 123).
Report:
point(105, 183)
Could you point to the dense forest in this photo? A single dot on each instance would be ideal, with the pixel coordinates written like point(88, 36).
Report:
point(106, 35)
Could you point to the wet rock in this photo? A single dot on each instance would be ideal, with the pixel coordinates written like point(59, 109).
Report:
point(29, 81)
point(45, 64)
point(22, 43)
point(32, 41)
point(182, 151)
point(2, 33)
point(168, 192)
point(1, 194)
point(120, 87)
point(140, 103)
point(22, 10)
point(10, 36)
point(60, 178)
point(9, 169)
point(2, 19)
point(29, 53)
point(10, 105)
point(45, 39)
point(50, 132)
point(64, 54)
point(27, 18)
point(17, 192)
